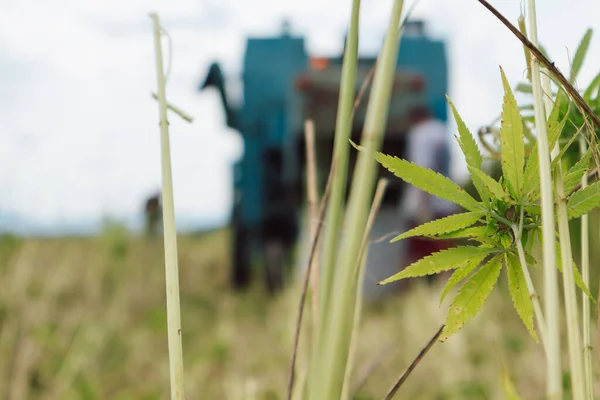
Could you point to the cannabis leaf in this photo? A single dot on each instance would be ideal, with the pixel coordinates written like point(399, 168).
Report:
point(532, 169)
point(472, 296)
point(460, 274)
point(583, 201)
point(580, 55)
point(519, 292)
point(576, 274)
point(440, 261)
point(493, 187)
point(426, 180)
point(466, 140)
point(576, 172)
point(443, 225)
point(511, 136)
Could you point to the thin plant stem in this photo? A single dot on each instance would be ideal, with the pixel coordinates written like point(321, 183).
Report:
point(362, 258)
point(537, 307)
point(552, 341)
point(170, 233)
point(185, 116)
point(578, 385)
point(313, 252)
point(538, 55)
point(313, 211)
point(585, 267)
point(392, 392)
point(343, 128)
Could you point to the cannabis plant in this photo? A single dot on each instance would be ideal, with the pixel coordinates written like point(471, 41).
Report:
point(501, 224)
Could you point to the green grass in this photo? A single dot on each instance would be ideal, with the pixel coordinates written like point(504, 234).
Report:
point(85, 318)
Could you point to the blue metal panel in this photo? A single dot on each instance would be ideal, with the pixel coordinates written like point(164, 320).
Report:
point(251, 182)
point(270, 68)
point(428, 57)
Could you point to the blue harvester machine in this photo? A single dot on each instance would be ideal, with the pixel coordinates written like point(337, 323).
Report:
point(282, 87)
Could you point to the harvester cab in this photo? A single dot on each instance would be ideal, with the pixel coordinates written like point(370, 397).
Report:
point(282, 87)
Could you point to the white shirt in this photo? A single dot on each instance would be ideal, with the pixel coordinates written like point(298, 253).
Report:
point(423, 141)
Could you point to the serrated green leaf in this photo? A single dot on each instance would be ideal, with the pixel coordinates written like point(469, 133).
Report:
point(440, 261)
point(493, 187)
point(469, 147)
point(466, 140)
point(512, 142)
point(519, 292)
point(580, 55)
point(576, 274)
point(576, 172)
point(443, 225)
point(583, 201)
point(472, 296)
point(427, 180)
point(460, 274)
point(478, 232)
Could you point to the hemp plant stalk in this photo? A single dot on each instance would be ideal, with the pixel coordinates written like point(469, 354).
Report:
point(553, 367)
point(339, 323)
point(170, 233)
point(336, 202)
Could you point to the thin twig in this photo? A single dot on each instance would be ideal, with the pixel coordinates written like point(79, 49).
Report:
point(413, 365)
point(185, 116)
point(370, 368)
point(547, 63)
point(305, 283)
point(313, 204)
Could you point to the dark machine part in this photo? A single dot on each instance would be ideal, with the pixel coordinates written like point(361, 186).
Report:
point(282, 87)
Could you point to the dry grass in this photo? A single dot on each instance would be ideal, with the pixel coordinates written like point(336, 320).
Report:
point(85, 319)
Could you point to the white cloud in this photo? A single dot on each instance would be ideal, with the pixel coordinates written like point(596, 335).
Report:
point(79, 131)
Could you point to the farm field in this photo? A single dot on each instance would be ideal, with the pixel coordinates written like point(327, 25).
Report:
point(85, 318)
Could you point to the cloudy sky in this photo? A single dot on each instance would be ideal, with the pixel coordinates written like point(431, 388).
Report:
point(79, 134)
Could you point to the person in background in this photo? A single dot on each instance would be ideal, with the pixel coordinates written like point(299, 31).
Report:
point(153, 214)
point(427, 146)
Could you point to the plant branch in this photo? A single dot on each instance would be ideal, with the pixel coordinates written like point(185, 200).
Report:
point(413, 365)
point(537, 308)
point(547, 63)
point(585, 267)
point(313, 251)
point(553, 353)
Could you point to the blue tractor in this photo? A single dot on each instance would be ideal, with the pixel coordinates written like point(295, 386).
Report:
point(282, 87)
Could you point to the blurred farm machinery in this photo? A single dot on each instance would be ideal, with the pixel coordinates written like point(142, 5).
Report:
point(282, 87)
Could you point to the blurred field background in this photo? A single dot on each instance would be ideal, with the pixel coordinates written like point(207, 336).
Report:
point(84, 318)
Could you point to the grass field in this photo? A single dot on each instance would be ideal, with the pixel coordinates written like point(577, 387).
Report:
point(84, 318)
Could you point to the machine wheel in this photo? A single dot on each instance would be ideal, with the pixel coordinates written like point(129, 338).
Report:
point(274, 265)
point(240, 274)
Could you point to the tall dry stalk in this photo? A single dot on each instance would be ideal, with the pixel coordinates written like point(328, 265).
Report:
point(170, 232)
point(551, 299)
point(332, 361)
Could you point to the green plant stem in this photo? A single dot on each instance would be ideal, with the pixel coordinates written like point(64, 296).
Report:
point(553, 366)
point(585, 266)
point(362, 259)
point(338, 190)
point(537, 307)
point(334, 356)
point(573, 332)
point(170, 234)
